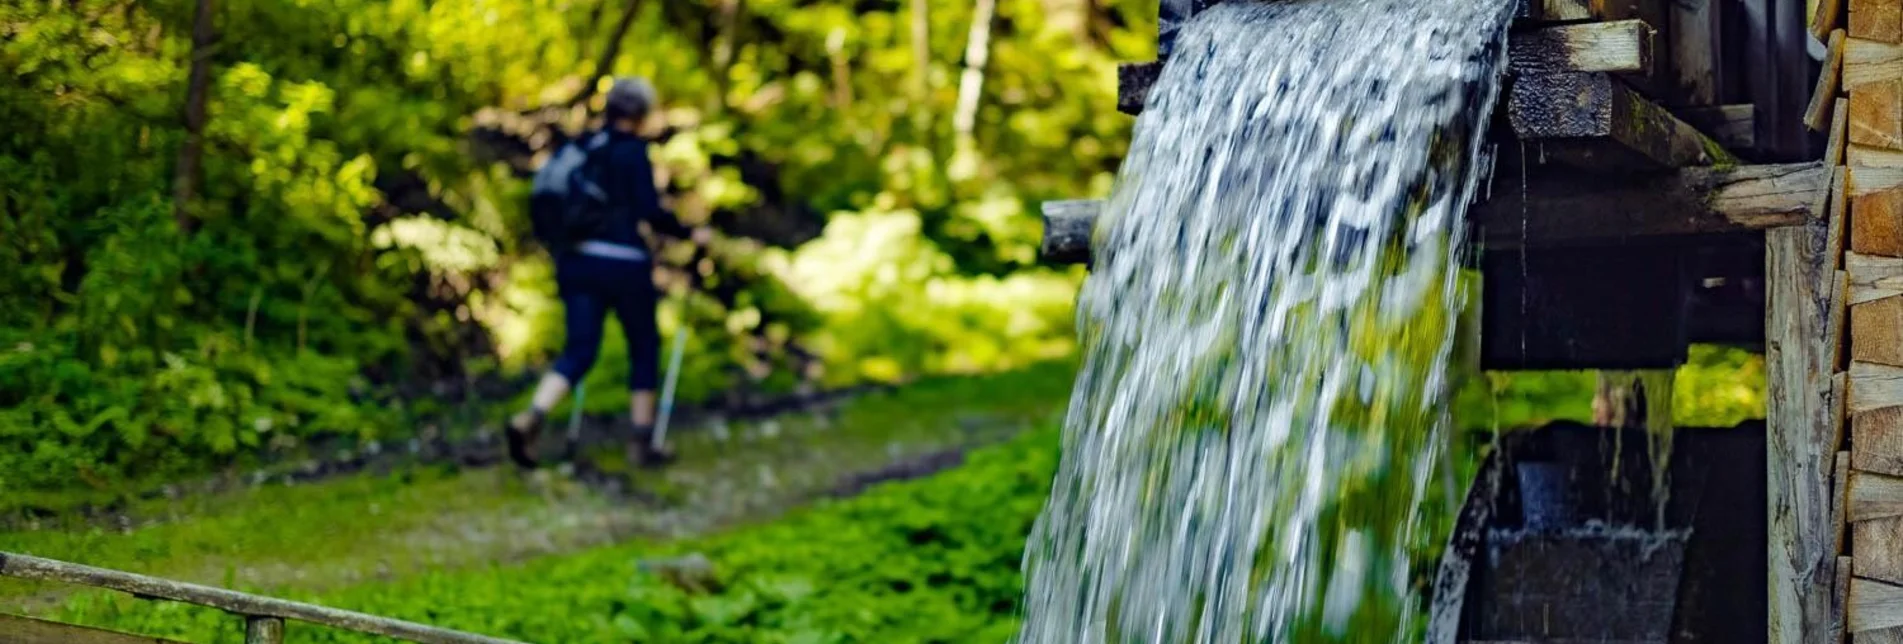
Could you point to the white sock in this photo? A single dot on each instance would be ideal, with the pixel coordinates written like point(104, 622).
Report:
point(549, 392)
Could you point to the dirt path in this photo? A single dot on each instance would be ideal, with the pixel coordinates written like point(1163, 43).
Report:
point(369, 527)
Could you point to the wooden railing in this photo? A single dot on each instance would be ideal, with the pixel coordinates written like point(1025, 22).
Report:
point(263, 617)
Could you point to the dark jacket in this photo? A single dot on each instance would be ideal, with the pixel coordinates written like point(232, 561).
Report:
point(629, 178)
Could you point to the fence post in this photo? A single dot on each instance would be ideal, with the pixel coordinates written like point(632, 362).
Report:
point(263, 630)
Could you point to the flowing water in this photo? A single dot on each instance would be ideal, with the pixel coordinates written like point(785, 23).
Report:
point(1268, 330)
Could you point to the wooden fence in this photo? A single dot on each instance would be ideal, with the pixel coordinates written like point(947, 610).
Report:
point(262, 617)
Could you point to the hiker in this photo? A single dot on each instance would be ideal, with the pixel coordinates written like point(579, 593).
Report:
point(602, 263)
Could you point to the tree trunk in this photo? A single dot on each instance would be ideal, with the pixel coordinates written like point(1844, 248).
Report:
point(197, 94)
point(921, 47)
point(971, 82)
point(605, 64)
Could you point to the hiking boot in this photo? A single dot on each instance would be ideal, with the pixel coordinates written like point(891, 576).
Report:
point(521, 434)
point(643, 453)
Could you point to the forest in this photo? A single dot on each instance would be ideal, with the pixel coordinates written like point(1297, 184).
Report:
point(244, 236)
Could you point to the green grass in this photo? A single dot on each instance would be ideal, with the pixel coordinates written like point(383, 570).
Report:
point(367, 529)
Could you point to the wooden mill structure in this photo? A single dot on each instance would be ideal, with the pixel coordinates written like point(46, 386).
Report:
point(1727, 171)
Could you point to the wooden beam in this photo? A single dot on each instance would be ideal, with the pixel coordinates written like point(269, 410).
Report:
point(1873, 278)
point(1732, 126)
point(1624, 46)
point(1593, 121)
point(1874, 605)
point(1876, 441)
point(1800, 361)
point(1570, 209)
point(1880, 20)
point(1824, 96)
point(1575, 210)
point(1874, 386)
point(1133, 85)
point(15, 629)
point(36, 568)
point(1824, 17)
point(1067, 230)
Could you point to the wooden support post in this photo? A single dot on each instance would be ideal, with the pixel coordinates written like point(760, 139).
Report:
point(1593, 121)
point(1801, 361)
point(263, 630)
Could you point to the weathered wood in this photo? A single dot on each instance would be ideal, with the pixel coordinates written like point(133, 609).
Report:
point(1876, 331)
point(15, 629)
point(1876, 114)
point(1624, 46)
point(1875, 496)
point(1874, 386)
point(1824, 96)
point(1878, 547)
point(1840, 501)
point(1839, 134)
point(1840, 599)
point(1874, 604)
point(1067, 229)
point(36, 568)
point(1572, 209)
point(1133, 85)
point(1825, 17)
point(1696, 30)
point(1868, 180)
point(263, 630)
point(1876, 441)
point(1593, 121)
point(1837, 212)
point(1799, 361)
point(1869, 157)
point(1869, 61)
point(1876, 223)
point(1732, 126)
point(1873, 278)
point(1880, 20)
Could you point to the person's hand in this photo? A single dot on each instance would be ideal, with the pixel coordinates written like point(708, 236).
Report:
point(703, 236)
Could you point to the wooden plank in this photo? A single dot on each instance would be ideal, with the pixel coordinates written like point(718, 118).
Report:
point(1824, 96)
point(1697, 37)
point(1876, 223)
point(1572, 209)
point(1624, 46)
point(1799, 359)
point(1878, 547)
point(1868, 61)
point(1880, 20)
point(1732, 126)
point(1866, 156)
point(1840, 599)
point(37, 568)
point(1876, 441)
point(1875, 496)
point(1837, 211)
point(1866, 180)
point(15, 629)
point(1876, 331)
point(1840, 501)
point(1593, 121)
point(1886, 636)
point(1824, 17)
point(1876, 114)
point(1839, 135)
point(1874, 604)
point(1067, 230)
point(1875, 386)
point(263, 630)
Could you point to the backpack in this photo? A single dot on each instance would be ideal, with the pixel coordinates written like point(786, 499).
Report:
point(568, 203)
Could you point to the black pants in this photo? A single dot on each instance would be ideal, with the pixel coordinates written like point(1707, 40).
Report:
point(590, 288)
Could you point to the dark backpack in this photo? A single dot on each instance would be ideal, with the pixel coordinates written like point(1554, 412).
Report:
point(568, 202)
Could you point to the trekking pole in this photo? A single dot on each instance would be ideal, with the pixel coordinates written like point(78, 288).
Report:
point(667, 389)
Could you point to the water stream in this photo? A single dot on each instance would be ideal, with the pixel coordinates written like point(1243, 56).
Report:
point(1268, 328)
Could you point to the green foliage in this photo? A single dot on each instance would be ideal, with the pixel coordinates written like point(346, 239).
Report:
point(350, 234)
